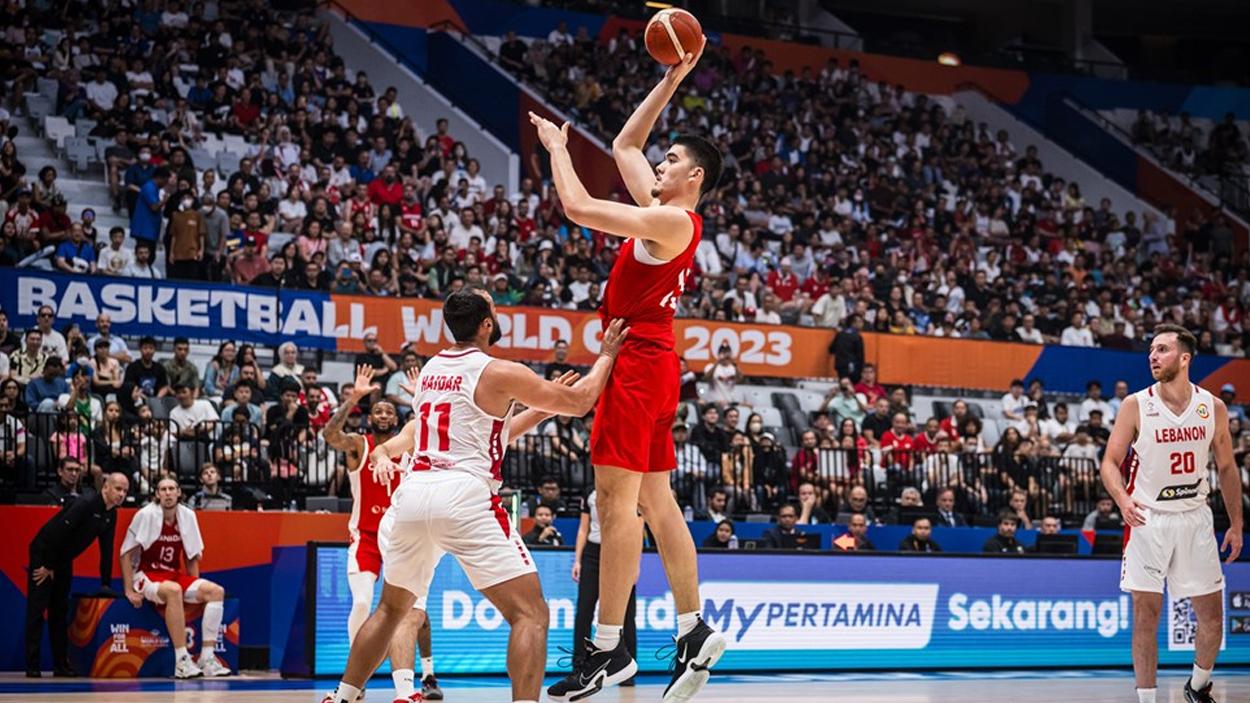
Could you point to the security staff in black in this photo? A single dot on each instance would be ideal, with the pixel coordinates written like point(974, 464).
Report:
point(90, 518)
point(586, 573)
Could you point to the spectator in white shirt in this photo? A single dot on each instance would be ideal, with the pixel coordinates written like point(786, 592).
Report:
point(142, 265)
point(560, 35)
point(53, 341)
point(1093, 401)
point(292, 211)
point(194, 417)
point(1014, 401)
point(465, 229)
point(1078, 333)
point(101, 92)
point(1059, 427)
point(1121, 392)
point(1027, 332)
point(115, 258)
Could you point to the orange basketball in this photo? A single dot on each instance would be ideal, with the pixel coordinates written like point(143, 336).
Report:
point(671, 34)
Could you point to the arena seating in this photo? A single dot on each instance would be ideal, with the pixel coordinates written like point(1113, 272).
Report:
point(845, 198)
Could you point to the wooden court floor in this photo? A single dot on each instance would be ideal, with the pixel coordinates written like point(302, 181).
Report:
point(996, 687)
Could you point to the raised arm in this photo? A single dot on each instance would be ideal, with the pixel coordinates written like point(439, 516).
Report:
point(1122, 434)
point(1230, 481)
point(627, 148)
point(512, 381)
point(669, 227)
point(352, 444)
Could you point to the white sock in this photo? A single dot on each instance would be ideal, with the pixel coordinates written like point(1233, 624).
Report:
point(1201, 677)
point(427, 667)
point(607, 637)
point(213, 611)
point(346, 693)
point(686, 623)
point(404, 686)
point(179, 653)
point(1146, 695)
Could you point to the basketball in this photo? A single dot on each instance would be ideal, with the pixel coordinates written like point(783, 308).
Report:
point(671, 34)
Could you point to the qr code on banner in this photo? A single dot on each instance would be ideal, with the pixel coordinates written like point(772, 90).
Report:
point(1183, 625)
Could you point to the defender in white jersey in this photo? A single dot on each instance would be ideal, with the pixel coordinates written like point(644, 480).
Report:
point(449, 502)
point(1172, 428)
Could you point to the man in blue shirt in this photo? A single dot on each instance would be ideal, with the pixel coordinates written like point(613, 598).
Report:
point(138, 173)
point(76, 254)
point(42, 392)
point(145, 220)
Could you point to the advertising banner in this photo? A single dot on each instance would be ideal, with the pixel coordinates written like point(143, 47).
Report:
point(267, 317)
point(824, 612)
point(110, 638)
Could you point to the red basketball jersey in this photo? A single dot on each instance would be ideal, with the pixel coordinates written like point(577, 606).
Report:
point(165, 554)
point(369, 498)
point(645, 294)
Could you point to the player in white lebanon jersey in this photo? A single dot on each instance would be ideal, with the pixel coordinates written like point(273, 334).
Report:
point(364, 557)
point(1172, 428)
point(449, 502)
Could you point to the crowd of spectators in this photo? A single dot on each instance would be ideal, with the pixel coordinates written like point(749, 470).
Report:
point(847, 203)
point(845, 196)
point(1184, 146)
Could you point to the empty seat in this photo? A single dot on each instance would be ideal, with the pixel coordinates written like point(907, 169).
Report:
point(56, 129)
point(771, 416)
point(38, 107)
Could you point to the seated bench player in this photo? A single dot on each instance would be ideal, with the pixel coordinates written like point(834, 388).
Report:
point(163, 535)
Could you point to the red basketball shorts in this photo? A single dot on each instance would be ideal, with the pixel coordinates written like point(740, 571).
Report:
point(633, 426)
point(363, 554)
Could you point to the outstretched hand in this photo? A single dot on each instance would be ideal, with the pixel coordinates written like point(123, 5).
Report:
point(364, 381)
point(548, 133)
point(413, 374)
point(681, 69)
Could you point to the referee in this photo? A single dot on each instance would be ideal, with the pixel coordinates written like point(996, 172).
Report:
point(586, 574)
point(51, 570)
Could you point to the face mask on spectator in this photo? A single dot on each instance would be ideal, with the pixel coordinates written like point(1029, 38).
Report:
point(145, 156)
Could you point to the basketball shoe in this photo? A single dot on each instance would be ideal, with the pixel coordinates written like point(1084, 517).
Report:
point(212, 666)
point(695, 654)
point(430, 689)
point(1202, 695)
point(185, 668)
point(600, 669)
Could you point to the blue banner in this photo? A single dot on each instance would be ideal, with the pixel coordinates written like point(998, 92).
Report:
point(165, 309)
point(825, 612)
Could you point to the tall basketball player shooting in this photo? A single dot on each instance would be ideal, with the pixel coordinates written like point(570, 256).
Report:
point(1172, 427)
point(632, 445)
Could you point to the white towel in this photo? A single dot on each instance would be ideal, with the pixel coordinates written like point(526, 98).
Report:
point(146, 527)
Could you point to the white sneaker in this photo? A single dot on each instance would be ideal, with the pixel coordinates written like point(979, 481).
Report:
point(184, 668)
point(329, 697)
point(212, 666)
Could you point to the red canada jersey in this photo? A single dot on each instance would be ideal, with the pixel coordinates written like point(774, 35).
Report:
point(165, 554)
point(369, 498)
point(646, 294)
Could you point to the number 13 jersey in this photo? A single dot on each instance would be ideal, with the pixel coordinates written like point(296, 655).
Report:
point(453, 433)
point(1168, 469)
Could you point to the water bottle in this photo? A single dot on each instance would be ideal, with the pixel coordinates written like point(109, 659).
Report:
point(525, 509)
point(293, 507)
point(689, 513)
point(733, 541)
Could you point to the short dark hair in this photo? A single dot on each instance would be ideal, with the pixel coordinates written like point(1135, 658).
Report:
point(464, 311)
point(1005, 515)
point(1184, 337)
point(181, 340)
point(706, 156)
point(148, 340)
point(162, 172)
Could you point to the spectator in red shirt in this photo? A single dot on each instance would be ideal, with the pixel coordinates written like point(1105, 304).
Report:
point(386, 190)
point(815, 286)
point(54, 224)
point(805, 465)
point(783, 281)
point(951, 423)
point(868, 385)
point(927, 441)
point(410, 211)
point(445, 140)
point(244, 113)
point(897, 444)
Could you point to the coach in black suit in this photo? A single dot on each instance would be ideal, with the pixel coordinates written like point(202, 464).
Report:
point(51, 570)
point(946, 515)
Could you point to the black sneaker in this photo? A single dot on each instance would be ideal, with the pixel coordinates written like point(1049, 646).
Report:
point(599, 669)
point(1202, 695)
point(695, 655)
point(430, 690)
